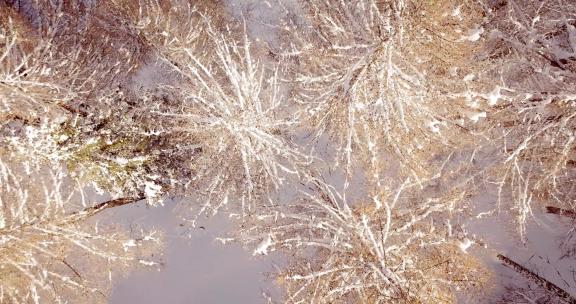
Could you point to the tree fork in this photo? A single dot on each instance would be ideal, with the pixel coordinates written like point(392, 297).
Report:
point(540, 281)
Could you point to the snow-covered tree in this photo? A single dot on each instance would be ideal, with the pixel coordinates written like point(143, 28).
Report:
point(50, 249)
point(421, 102)
point(376, 76)
point(398, 248)
point(225, 108)
point(530, 51)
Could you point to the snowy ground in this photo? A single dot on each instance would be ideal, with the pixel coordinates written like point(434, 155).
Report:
point(197, 269)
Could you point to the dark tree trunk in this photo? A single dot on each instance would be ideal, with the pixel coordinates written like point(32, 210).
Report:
point(563, 212)
point(527, 273)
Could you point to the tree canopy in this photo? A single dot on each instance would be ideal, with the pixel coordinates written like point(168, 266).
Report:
point(358, 139)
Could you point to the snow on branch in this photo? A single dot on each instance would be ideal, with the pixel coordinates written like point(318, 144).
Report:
point(531, 50)
point(232, 107)
point(378, 76)
point(341, 252)
point(50, 249)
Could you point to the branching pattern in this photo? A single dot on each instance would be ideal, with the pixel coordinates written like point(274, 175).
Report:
point(375, 76)
point(393, 252)
point(49, 251)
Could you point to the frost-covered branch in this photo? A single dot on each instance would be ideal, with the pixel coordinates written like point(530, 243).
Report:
point(226, 103)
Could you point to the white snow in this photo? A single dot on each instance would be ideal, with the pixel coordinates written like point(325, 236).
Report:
point(456, 13)
point(493, 96)
point(470, 100)
point(151, 189)
point(147, 263)
point(475, 116)
point(128, 244)
point(474, 34)
point(465, 244)
point(469, 77)
point(45, 71)
point(572, 36)
point(225, 241)
point(433, 126)
point(262, 248)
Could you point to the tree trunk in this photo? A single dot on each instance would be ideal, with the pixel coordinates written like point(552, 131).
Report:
point(91, 211)
point(559, 292)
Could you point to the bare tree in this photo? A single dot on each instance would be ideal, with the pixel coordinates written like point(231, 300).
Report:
point(50, 250)
point(376, 76)
point(398, 248)
point(531, 48)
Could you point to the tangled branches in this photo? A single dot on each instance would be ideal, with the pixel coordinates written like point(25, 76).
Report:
point(375, 76)
point(399, 249)
point(49, 250)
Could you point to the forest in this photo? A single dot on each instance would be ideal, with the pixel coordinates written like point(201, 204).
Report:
point(385, 151)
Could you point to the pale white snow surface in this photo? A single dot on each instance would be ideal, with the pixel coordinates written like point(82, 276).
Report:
point(262, 248)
